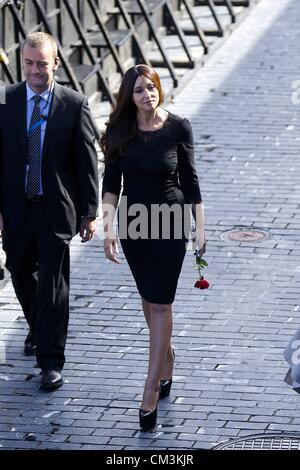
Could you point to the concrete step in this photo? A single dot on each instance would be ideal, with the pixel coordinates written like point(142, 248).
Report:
point(175, 51)
point(85, 74)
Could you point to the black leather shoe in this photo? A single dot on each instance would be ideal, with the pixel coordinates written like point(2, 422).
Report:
point(51, 379)
point(29, 345)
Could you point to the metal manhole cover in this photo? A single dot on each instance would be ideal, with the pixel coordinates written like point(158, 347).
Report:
point(268, 441)
point(244, 234)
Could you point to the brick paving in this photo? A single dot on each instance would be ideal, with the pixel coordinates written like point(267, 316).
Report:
point(229, 340)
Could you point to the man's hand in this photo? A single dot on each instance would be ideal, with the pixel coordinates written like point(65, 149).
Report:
point(87, 228)
point(1, 222)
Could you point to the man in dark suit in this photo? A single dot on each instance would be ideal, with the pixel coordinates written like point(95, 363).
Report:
point(48, 193)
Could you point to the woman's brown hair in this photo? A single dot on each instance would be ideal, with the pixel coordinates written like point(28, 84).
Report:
point(122, 125)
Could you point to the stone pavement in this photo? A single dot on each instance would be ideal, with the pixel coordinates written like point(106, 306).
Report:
point(229, 340)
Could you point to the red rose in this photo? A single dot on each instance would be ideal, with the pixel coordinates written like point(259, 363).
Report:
point(202, 284)
point(200, 265)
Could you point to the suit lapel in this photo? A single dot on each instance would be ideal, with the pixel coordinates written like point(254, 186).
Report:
point(55, 115)
point(21, 120)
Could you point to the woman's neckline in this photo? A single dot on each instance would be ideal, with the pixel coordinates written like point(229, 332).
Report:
point(160, 128)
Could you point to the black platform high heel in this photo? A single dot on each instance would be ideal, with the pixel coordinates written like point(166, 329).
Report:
point(147, 419)
point(166, 385)
point(165, 388)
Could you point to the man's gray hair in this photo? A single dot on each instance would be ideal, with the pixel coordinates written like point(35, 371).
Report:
point(41, 39)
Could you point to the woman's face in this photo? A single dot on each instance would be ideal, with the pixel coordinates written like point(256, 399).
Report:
point(145, 94)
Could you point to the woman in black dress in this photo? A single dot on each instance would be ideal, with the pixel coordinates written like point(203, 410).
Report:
point(152, 151)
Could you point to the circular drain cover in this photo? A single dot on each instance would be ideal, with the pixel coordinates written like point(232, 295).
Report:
point(244, 234)
point(268, 441)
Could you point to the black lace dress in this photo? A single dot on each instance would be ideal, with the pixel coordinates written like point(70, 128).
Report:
point(158, 172)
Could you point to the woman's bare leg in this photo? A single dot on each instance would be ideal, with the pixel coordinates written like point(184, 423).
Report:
point(160, 337)
point(167, 368)
point(146, 310)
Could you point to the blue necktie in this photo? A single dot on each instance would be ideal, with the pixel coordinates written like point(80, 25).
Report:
point(34, 151)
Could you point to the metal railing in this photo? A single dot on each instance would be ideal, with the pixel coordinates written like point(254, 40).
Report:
point(98, 38)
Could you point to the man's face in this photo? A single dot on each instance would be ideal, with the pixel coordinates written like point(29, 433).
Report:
point(39, 65)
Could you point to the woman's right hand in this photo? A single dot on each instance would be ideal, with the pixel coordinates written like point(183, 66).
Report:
point(110, 248)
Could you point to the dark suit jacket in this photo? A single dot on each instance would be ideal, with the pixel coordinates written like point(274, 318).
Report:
point(69, 163)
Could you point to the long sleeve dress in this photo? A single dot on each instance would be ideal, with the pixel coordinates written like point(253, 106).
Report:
point(158, 171)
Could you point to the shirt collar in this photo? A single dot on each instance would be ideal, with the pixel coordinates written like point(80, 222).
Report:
point(44, 95)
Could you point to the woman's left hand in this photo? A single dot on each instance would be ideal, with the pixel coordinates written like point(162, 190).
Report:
point(199, 242)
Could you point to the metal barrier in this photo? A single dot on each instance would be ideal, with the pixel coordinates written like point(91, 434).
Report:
point(99, 39)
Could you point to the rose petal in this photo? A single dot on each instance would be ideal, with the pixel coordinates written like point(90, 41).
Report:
point(203, 284)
